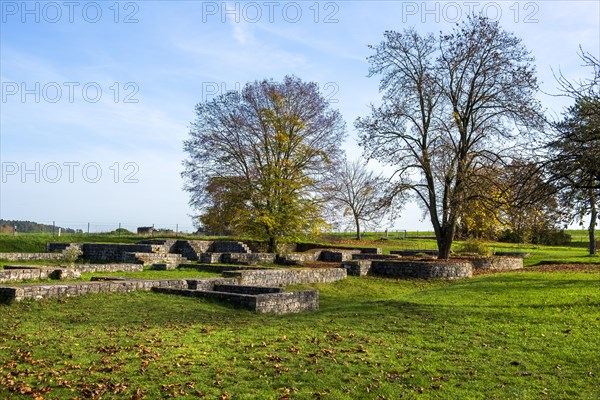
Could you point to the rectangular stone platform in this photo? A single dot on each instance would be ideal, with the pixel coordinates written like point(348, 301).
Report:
point(446, 269)
point(277, 303)
point(16, 273)
point(8, 294)
point(284, 277)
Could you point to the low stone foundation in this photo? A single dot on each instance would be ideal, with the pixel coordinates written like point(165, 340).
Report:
point(152, 258)
point(337, 255)
point(284, 277)
point(413, 253)
point(437, 269)
point(36, 292)
point(209, 283)
point(297, 258)
point(242, 289)
point(496, 263)
point(163, 267)
point(254, 289)
point(31, 256)
point(210, 258)
point(273, 302)
point(109, 267)
point(366, 256)
point(218, 268)
point(17, 273)
point(249, 258)
point(519, 254)
point(357, 267)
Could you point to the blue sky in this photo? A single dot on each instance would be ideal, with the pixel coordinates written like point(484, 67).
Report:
point(97, 96)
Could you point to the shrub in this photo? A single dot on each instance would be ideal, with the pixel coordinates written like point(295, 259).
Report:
point(548, 237)
point(474, 247)
point(71, 254)
point(551, 237)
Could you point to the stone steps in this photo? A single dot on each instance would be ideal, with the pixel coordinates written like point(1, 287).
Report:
point(153, 258)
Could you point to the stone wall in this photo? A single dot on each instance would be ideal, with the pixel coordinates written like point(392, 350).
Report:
point(413, 253)
point(59, 247)
point(228, 247)
point(337, 255)
point(496, 263)
point(19, 293)
point(520, 254)
point(109, 267)
point(297, 258)
point(357, 267)
point(276, 303)
point(218, 268)
point(242, 289)
point(31, 256)
point(284, 277)
point(163, 245)
point(263, 247)
point(209, 283)
point(163, 267)
point(17, 273)
point(193, 249)
point(367, 256)
point(303, 247)
point(100, 252)
point(152, 258)
point(210, 258)
point(248, 258)
point(288, 302)
point(437, 269)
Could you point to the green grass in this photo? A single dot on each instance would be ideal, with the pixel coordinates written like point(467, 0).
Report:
point(503, 336)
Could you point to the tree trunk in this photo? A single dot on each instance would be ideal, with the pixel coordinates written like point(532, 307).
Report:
point(592, 227)
point(445, 243)
point(357, 228)
point(272, 245)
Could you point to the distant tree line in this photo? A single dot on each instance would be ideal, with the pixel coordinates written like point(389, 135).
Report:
point(8, 226)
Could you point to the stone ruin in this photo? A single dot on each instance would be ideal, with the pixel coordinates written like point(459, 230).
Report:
point(259, 289)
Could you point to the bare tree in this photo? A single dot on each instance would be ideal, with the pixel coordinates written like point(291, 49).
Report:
point(451, 107)
point(582, 90)
point(271, 142)
point(357, 193)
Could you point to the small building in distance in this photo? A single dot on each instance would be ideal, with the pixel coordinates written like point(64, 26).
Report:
point(145, 230)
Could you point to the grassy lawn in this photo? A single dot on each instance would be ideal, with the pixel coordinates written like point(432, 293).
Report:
point(504, 336)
